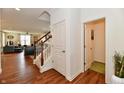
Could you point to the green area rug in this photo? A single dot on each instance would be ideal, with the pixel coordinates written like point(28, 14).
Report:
point(98, 67)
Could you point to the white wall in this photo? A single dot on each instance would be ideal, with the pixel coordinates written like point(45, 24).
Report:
point(58, 15)
point(75, 42)
point(73, 39)
point(114, 32)
point(99, 42)
point(113, 36)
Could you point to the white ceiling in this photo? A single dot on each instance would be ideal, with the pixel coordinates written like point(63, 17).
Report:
point(27, 19)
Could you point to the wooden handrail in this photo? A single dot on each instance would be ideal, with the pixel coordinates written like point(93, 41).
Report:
point(47, 39)
point(41, 38)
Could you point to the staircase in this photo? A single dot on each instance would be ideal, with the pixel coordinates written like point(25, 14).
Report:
point(43, 54)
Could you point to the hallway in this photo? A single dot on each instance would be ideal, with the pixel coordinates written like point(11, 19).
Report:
point(20, 70)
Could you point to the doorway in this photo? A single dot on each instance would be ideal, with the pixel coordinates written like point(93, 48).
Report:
point(94, 45)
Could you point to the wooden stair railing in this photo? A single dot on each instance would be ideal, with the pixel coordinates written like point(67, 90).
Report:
point(42, 37)
point(39, 46)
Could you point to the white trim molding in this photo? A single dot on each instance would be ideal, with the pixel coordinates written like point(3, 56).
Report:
point(70, 78)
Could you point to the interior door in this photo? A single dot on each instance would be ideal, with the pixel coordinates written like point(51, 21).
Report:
point(88, 46)
point(59, 47)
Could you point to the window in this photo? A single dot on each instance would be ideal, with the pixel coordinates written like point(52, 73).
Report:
point(3, 41)
point(25, 39)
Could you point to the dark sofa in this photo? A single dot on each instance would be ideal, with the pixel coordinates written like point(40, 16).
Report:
point(29, 50)
point(8, 49)
point(12, 49)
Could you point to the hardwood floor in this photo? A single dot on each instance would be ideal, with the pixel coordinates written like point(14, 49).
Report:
point(20, 70)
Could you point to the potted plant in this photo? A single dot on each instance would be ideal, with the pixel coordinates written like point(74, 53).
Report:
point(118, 76)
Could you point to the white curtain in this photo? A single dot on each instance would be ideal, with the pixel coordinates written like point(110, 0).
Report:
point(25, 39)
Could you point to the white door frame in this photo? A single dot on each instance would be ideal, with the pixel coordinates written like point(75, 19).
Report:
point(83, 40)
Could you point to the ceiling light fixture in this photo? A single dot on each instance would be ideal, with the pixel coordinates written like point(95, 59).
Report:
point(18, 9)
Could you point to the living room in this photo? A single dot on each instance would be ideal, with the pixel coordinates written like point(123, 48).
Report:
point(20, 30)
point(14, 42)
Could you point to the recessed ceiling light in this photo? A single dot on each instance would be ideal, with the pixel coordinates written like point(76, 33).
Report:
point(18, 9)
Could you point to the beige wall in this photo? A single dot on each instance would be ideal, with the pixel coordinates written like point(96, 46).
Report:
point(35, 37)
point(99, 42)
point(16, 38)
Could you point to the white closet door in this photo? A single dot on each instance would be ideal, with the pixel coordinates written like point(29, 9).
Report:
point(59, 47)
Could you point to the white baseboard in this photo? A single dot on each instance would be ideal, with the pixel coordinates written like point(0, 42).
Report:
point(45, 69)
point(70, 78)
